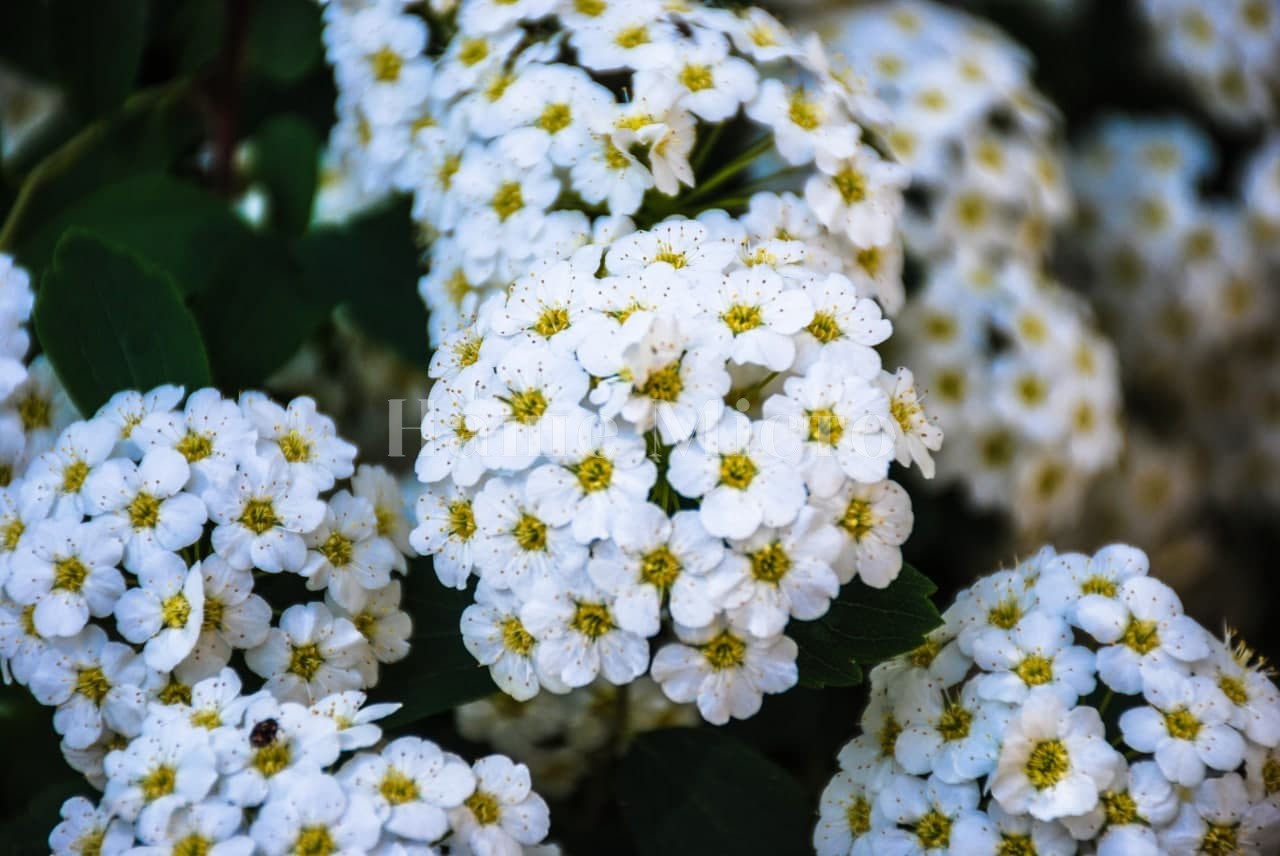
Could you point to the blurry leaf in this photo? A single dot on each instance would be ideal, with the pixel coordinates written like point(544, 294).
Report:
point(108, 321)
point(439, 674)
point(284, 39)
point(698, 791)
point(370, 266)
point(255, 314)
point(175, 226)
point(865, 626)
point(98, 48)
point(193, 29)
point(286, 158)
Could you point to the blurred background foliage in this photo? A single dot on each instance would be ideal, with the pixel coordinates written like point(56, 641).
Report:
point(147, 160)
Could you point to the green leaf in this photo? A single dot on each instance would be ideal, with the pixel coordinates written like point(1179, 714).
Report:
point(175, 226)
point(698, 791)
point(439, 674)
point(284, 39)
point(286, 158)
point(864, 626)
point(108, 321)
point(98, 49)
point(371, 267)
point(256, 313)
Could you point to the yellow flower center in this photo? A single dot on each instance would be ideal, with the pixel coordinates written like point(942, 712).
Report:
point(193, 845)
point(825, 427)
point(737, 471)
point(175, 692)
point(954, 722)
point(590, 8)
point(35, 412)
point(725, 651)
point(1118, 807)
point(824, 328)
point(554, 319)
point(555, 118)
point(770, 563)
point(740, 318)
point(305, 660)
point(507, 200)
point(804, 113)
point(1182, 724)
point(259, 516)
point(295, 447)
point(675, 258)
point(665, 384)
point(69, 574)
point(314, 841)
point(484, 806)
point(858, 519)
point(528, 406)
point(397, 788)
point(207, 718)
point(925, 653)
point(851, 184)
point(1141, 636)
point(1035, 670)
point(1221, 839)
point(144, 511)
point(1098, 585)
point(1234, 688)
point(515, 638)
point(160, 782)
point(696, 78)
point(890, 729)
point(195, 447)
point(1271, 776)
point(660, 567)
point(272, 758)
point(386, 65)
point(73, 476)
point(632, 37)
point(595, 473)
point(530, 533)
point(462, 520)
point(175, 611)
point(473, 51)
point(89, 844)
point(905, 411)
point(1047, 764)
point(592, 620)
point(614, 157)
point(338, 549)
point(213, 610)
point(1013, 844)
point(934, 830)
point(1005, 614)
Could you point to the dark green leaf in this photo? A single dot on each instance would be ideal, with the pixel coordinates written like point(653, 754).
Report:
point(98, 48)
point(371, 268)
point(286, 158)
point(864, 626)
point(175, 226)
point(439, 674)
point(108, 321)
point(255, 314)
point(699, 791)
point(284, 39)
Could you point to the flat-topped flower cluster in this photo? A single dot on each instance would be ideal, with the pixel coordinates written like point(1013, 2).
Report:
point(154, 540)
point(230, 773)
point(527, 129)
point(689, 421)
point(1065, 706)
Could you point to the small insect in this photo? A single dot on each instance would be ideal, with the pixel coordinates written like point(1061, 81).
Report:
point(264, 733)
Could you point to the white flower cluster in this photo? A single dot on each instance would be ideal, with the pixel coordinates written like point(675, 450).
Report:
point(533, 127)
point(1228, 51)
point(1024, 389)
point(34, 408)
point(706, 426)
point(963, 117)
point(136, 552)
point(1066, 706)
point(561, 738)
point(230, 774)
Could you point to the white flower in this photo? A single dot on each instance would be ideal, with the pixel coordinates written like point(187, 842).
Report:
point(451, 443)
point(840, 417)
point(1254, 698)
point(315, 815)
point(261, 516)
point(311, 654)
point(159, 772)
point(522, 548)
point(447, 531)
point(144, 504)
point(1071, 581)
point(874, 521)
point(934, 812)
point(85, 828)
point(502, 812)
point(166, 611)
point(578, 635)
point(1038, 652)
point(412, 785)
point(306, 439)
point(210, 433)
point(1054, 761)
point(783, 573)
point(382, 491)
point(494, 634)
point(601, 477)
point(1139, 798)
point(378, 617)
point(1221, 817)
point(1185, 726)
point(234, 617)
point(745, 475)
point(128, 408)
point(58, 477)
point(652, 555)
point(753, 317)
point(914, 435)
point(292, 739)
point(804, 124)
point(859, 194)
point(725, 669)
point(67, 571)
point(346, 554)
point(845, 816)
point(212, 825)
point(94, 683)
point(954, 738)
point(1151, 634)
point(711, 84)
